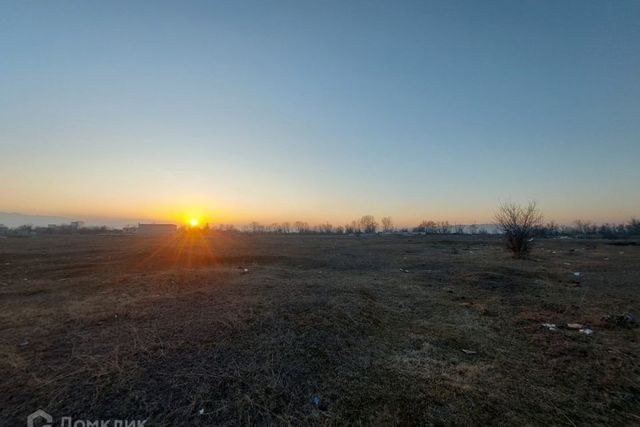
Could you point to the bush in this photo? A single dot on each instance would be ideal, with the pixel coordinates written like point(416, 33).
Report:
point(518, 225)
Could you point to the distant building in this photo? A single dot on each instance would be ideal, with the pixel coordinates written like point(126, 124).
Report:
point(76, 224)
point(156, 229)
point(129, 229)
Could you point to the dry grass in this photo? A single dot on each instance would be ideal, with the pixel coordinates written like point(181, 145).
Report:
point(322, 330)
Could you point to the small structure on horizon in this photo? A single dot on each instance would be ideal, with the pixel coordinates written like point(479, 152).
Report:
point(76, 225)
point(156, 229)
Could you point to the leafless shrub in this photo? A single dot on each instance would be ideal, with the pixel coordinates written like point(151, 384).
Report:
point(518, 224)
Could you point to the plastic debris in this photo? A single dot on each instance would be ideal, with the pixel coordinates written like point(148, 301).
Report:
point(586, 331)
point(550, 326)
point(318, 403)
point(404, 270)
point(577, 274)
point(465, 351)
point(24, 343)
point(201, 411)
point(574, 326)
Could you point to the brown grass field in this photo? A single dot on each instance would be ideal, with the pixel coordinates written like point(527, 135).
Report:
point(321, 330)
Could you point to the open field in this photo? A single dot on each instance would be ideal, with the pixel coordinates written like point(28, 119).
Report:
point(321, 330)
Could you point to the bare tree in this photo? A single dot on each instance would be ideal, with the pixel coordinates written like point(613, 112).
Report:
point(443, 227)
point(368, 224)
point(353, 228)
point(301, 227)
point(518, 224)
point(585, 228)
point(427, 227)
point(387, 224)
point(325, 228)
point(634, 226)
point(256, 227)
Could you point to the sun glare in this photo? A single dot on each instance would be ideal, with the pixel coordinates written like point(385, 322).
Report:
point(193, 222)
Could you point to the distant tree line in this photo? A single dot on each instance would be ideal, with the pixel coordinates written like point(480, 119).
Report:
point(367, 224)
point(29, 230)
point(589, 230)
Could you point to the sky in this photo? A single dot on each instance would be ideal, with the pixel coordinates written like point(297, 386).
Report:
point(320, 110)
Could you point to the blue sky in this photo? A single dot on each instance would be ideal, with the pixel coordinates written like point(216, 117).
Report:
point(320, 110)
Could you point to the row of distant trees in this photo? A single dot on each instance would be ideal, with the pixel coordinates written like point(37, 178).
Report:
point(25, 230)
point(367, 224)
point(588, 229)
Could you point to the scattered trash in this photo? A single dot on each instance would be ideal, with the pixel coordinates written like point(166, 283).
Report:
point(465, 351)
point(624, 320)
point(550, 326)
point(621, 253)
point(404, 270)
point(24, 343)
point(318, 403)
point(577, 274)
point(574, 326)
point(586, 331)
point(553, 252)
point(201, 411)
point(567, 263)
point(243, 270)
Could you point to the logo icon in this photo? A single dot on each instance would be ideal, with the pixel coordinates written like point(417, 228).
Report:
point(39, 414)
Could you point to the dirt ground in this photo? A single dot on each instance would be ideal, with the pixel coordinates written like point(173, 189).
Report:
point(319, 330)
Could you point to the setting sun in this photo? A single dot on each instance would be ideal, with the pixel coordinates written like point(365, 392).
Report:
point(193, 222)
